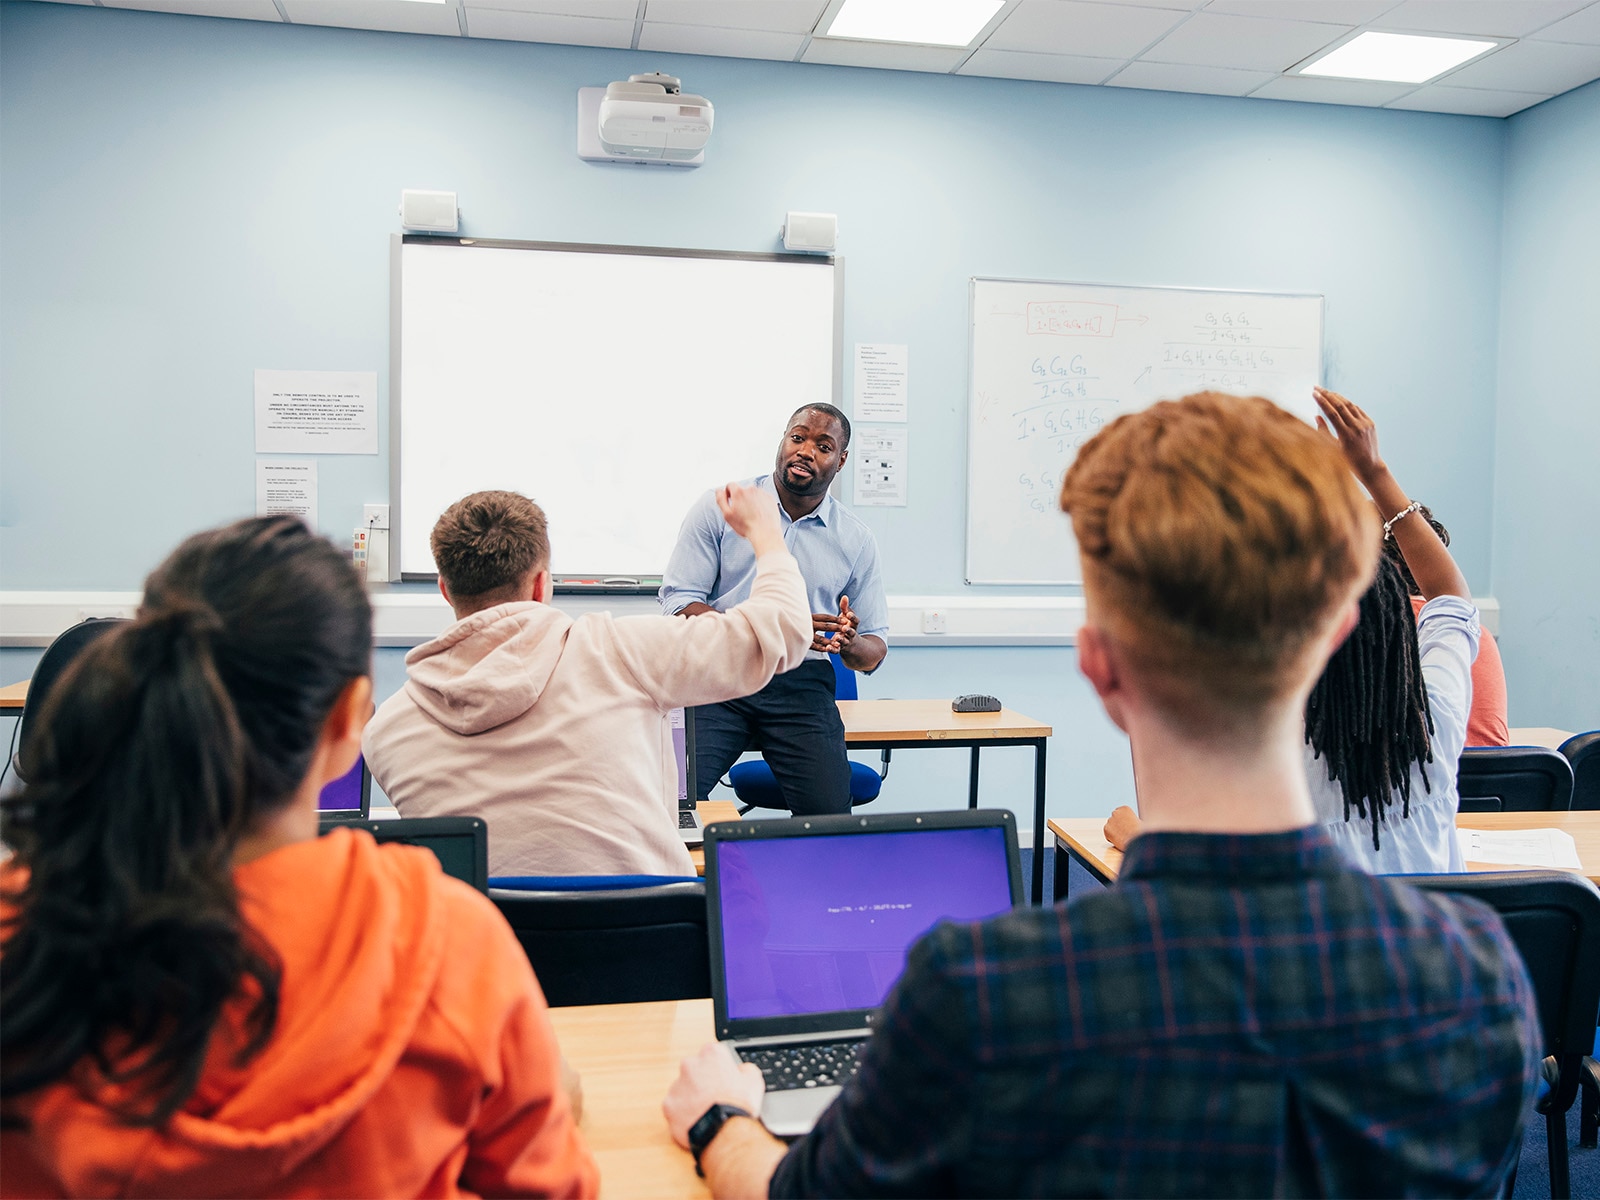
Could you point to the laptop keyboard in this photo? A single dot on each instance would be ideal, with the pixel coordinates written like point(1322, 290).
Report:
point(685, 819)
point(815, 1064)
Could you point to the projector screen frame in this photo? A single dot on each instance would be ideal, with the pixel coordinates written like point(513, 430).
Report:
point(564, 585)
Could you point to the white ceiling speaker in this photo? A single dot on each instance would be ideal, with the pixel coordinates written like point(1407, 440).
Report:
point(811, 233)
point(646, 119)
point(429, 212)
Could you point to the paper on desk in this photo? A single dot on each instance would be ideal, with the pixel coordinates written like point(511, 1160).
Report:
point(1520, 847)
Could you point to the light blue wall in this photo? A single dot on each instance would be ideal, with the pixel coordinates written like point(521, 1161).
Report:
point(1547, 461)
point(186, 199)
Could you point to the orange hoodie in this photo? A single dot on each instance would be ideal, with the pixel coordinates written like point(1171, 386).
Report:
point(413, 1056)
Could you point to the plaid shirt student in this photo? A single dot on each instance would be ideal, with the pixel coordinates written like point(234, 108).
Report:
point(1240, 1015)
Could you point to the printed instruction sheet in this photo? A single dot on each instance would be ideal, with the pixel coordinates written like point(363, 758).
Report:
point(881, 382)
point(287, 487)
point(880, 453)
point(316, 412)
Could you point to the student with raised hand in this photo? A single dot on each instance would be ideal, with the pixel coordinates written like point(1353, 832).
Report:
point(1243, 1012)
point(1386, 722)
point(201, 996)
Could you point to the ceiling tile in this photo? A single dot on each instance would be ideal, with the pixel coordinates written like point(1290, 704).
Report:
point(1581, 27)
point(727, 43)
point(1245, 43)
point(397, 16)
point(1470, 102)
point(1074, 27)
point(612, 10)
point(1179, 77)
point(1054, 68)
point(1546, 67)
point(891, 56)
point(548, 27)
point(779, 16)
point(247, 10)
point(1334, 12)
point(1362, 92)
point(1488, 18)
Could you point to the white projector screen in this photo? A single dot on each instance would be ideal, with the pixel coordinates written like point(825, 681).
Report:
point(611, 385)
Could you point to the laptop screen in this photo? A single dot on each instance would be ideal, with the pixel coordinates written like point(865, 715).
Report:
point(344, 793)
point(823, 924)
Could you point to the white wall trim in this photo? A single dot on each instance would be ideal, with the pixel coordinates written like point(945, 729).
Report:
point(408, 618)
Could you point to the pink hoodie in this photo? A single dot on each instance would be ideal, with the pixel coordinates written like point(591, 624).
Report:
point(554, 731)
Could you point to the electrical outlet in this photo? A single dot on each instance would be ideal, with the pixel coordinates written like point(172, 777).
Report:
point(375, 516)
point(933, 621)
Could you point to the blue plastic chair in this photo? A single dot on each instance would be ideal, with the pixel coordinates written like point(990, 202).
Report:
point(756, 787)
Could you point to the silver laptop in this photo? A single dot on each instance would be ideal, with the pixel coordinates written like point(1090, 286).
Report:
point(689, 825)
point(810, 921)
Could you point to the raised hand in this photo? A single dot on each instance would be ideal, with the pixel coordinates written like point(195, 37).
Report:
point(753, 515)
point(1357, 434)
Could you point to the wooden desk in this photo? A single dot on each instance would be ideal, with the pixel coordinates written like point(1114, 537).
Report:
point(1080, 838)
point(628, 1055)
point(12, 696)
point(1539, 735)
point(711, 810)
point(908, 724)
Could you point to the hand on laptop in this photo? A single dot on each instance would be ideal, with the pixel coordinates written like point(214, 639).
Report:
point(753, 515)
point(1122, 826)
point(713, 1076)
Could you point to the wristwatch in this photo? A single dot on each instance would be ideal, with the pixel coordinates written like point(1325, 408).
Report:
point(707, 1127)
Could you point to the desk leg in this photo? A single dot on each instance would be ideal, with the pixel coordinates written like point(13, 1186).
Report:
point(1063, 873)
point(972, 780)
point(1038, 821)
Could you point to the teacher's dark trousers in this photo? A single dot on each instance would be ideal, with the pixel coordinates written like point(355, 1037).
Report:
point(795, 724)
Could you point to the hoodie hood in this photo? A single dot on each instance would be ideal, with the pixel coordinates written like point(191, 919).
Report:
point(339, 1035)
point(489, 668)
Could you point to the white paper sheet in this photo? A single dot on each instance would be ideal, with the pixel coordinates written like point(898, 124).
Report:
point(881, 383)
point(880, 453)
point(287, 487)
point(1520, 847)
point(316, 412)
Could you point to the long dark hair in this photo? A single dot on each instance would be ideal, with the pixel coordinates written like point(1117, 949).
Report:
point(158, 749)
point(1368, 717)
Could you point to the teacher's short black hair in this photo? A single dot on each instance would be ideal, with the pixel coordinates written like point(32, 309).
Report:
point(826, 410)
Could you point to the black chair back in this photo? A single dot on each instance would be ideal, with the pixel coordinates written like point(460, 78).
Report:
point(614, 947)
point(1554, 919)
point(1513, 779)
point(58, 656)
point(1583, 752)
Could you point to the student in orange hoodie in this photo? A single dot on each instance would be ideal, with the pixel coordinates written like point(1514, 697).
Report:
point(201, 996)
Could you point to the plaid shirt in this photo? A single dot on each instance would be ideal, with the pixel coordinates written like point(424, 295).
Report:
point(1238, 1015)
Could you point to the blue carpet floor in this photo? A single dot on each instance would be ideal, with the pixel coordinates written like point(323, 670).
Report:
point(1533, 1172)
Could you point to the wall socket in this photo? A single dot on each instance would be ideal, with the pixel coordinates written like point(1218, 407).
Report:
point(933, 620)
point(375, 516)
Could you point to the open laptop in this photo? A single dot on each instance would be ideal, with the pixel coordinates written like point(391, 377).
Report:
point(689, 825)
point(461, 844)
point(349, 797)
point(810, 920)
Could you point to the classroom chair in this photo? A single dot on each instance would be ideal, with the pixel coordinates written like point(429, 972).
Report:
point(612, 939)
point(1582, 750)
point(1554, 919)
point(1513, 779)
point(58, 656)
point(756, 787)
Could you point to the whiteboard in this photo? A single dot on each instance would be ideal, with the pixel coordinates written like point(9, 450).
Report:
point(611, 385)
point(1052, 363)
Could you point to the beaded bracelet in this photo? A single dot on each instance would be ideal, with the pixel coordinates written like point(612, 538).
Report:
point(1398, 517)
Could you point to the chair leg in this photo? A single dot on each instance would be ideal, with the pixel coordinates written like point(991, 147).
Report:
point(1555, 1136)
point(1589, 1114)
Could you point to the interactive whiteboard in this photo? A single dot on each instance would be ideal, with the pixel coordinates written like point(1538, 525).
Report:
point(611, 385)
point(1052, 363)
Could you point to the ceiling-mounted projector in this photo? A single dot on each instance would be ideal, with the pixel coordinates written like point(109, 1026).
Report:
point(647, 119)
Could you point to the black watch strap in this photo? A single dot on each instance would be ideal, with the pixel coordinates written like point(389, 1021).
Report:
point(707, 1127)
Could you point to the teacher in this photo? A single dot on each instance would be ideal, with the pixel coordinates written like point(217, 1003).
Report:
point(793, 721)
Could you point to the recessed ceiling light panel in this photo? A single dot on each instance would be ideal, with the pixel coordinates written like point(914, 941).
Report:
point(1396, 57)
point(926, 22)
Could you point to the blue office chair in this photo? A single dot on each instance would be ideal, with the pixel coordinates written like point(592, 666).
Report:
point(756, 787)
point(53, 664)
point(1582, 750)
point(1513, 779)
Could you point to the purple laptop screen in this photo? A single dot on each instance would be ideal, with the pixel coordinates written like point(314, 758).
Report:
point(344, 793)
point(823, 924)
point(680, 751)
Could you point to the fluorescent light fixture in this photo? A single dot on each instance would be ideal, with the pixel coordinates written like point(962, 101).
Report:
point(926, 22)
point(1396, 57)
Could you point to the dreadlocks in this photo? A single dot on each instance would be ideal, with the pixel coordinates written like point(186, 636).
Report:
point(1368, 715)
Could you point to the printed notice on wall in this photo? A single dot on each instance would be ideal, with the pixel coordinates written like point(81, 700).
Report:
point(287, 487)
point(316, 412)
point(879, 452)
point(881, 387)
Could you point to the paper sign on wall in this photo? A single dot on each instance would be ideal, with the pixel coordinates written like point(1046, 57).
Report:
point(316, 412)
point(881, 382)
point(287, 487)
point(879, 452)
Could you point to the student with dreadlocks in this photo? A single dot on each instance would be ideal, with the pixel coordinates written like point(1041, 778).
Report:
point(1386, 722)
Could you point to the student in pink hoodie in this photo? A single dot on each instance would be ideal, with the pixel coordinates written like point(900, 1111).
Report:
point(553, 728)
point(204, 998)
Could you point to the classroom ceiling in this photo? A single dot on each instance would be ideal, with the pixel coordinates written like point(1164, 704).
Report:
point(1219, 47)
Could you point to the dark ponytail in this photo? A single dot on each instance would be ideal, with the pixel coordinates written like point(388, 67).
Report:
point(161, 746)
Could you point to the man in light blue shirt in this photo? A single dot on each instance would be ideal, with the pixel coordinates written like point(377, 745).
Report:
point(793, 721)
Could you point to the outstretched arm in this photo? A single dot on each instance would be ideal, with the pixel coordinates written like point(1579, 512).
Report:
point(1431, 565)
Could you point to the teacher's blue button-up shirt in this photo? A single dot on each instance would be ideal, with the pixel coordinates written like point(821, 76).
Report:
point(837, 553)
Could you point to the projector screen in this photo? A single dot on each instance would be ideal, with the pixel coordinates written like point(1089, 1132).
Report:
point(611, 385)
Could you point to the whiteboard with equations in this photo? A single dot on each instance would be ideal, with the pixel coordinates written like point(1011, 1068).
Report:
point(1053, 363)
point(614, 386)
